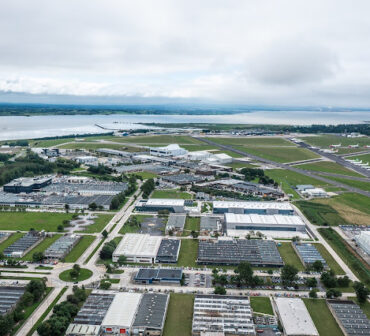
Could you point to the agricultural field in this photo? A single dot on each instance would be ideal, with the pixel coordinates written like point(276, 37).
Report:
point(176, 194)
point(79, 249)
point(327, 140)
point(42, 246)
point(191, 224)
point(24, 221)
point(188, 253)
point(179, 315)
point(99, 224)
point(328, 167)
point(289, 256)
point(261, 305)
point(322, 317)
point(320, 214)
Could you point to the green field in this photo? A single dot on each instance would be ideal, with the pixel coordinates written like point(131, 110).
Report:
point(364, 157)
point(24, 221)
point(160, 140)
point(176, 194)
point(80, 248)
point(133, 229)
point(179, 315)
point(188, 253)
point(191, 224)
point(261, 305)
point(99, 224)
point(329, 259)
point(289, 256)
point(253, 142)
point(84, 275)
point(327, 140)
point(42, 246)
point(353, 200)
point(9, 241)
point(145, 175)
point(328, 167)
point(356, 265)
point(356, 184)
point(320, 214)
point(322, 317)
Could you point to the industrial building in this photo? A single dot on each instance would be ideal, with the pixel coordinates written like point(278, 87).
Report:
point(229, 315)
point(27, 184)
point(158, 275)
point(77, 202)
point(272, 225)
point(294, 317)
point(350, 318)
point(138, 248)
point(261, 208)
point(308, 254)
point(363, 241)
point(151, 314)
point(232, 252)
point(175, 223)
point(9, 297)
point(170, 150)
point(23, 245)
point(61, 247)
point(210, 224)
point(168, 252)
point(157, 204)
point(183, 179)
point(121, 314)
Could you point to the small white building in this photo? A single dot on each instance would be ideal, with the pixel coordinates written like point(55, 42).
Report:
point(87, 160)
point(170, 150)
point(121, 314)
point(220, 158)
point(315, 192)
point(198, 155)
point(363, 240)
point(295, 318)
point(138, 248)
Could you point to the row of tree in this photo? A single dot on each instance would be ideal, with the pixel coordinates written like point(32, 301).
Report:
point(147, 187)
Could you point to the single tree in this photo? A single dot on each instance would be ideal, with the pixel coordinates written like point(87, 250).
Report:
point(362, 292)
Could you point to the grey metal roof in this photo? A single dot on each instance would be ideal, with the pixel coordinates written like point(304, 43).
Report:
point(159, 274)
point(9, 296)
point(176, 222)
point(309, 253)
point(23, 243)
point(209, 223)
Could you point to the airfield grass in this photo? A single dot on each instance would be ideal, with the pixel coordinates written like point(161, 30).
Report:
point(250, 141)
point(289, 256)
point(174, 194)
point(328, 167)
point(261, 305)
point(24, 221)
point(191, 224)
point(238, 165)
point(188, 253)
point(327, 140)
point(97, 145)
point(352, 183)
point(80, 248)
point(41, 247)
point(160, 140)
point(126, 228)
point(357, 201)
point(200, 147)
point(9, 241)
point(84, 275)
point(179, 315)
point(333, 265)
point(99, 224)
point(322, 317)
point(364, 157)
point(364, 306)
point(54, 142)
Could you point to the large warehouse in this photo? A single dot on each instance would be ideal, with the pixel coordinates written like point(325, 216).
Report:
point(228, 315)
point(170, 150)
point(295, 318)
point(157, 204)
point(271, 225)
point(261, 208)
point(27, 184)
point(363, 240)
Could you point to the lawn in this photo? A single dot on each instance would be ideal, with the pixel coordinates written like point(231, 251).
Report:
point(99, 224)
point(329, 259)
point(173, 194)
point(84, 275)
point(347, 255)
point(289, 256)
point(24, 221)
point(179, 315)
point(261, 305)
point(191, 224)
point(327, 140)
point(328, 167)
point(42, 246)
point(9, 241)
point(80, 248)
point(322, 317)
point(320, 214)
point(356, 184)
point(126, 228)
point(188, 253)
point(364, 306)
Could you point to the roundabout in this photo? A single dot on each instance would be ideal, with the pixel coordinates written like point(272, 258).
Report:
point(81, 275)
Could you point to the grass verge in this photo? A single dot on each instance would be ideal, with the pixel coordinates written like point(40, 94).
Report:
point(261, 305)
point(188, 253)
point(80, 248)
point(289, 256)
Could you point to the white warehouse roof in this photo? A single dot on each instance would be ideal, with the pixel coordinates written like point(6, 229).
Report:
point(122, 310)
point(263, 219)
point(165, 201)
point(295, 318)
point(253, 205)
point(136, 244)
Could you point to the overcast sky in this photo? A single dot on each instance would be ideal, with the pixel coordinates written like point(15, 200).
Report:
point(250, 52)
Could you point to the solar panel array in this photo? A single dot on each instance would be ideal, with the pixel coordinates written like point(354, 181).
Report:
point(94, 309)
point(62, 246)
point(232, 252)
point(9, 297)
point(351, 317)
point(22, 244)
point(309, 254)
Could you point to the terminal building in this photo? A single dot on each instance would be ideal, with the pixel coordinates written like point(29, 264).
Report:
point(260, 208)
point(27, 185)
point(222, 315)
point(271, 225)
point(157, 204)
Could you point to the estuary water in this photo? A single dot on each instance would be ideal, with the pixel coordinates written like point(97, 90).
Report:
point(21, 127)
